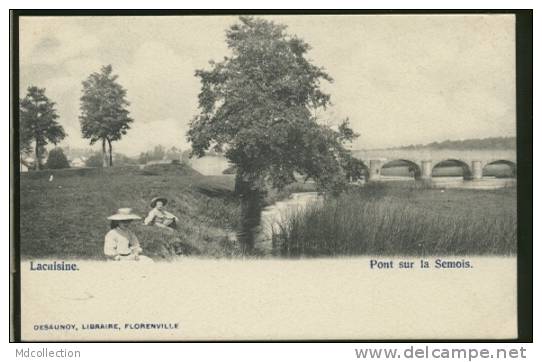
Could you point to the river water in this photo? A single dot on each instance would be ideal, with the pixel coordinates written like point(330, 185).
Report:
point(458, 182)
point(486, 183)
point(273, 215)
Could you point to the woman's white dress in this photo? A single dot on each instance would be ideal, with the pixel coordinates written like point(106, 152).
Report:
point(123, 245)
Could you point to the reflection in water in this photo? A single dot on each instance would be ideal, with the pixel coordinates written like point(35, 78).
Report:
point(251, 210)
point(458, 182)
point(486, 183)
point(257, 224)
point(273, 215)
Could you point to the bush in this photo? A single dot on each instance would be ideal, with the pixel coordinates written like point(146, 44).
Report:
point(122, 160)
point(96, 160)
point(57, 159)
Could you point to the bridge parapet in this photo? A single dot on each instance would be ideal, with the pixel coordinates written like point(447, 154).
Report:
point(423, 162)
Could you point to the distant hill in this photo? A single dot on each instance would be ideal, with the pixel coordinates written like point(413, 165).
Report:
point(491, 143)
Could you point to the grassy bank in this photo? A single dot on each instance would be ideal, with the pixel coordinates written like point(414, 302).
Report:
point(403, 219)
point(66, 217)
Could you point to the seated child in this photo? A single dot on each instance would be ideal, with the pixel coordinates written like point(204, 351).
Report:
point(159, 216)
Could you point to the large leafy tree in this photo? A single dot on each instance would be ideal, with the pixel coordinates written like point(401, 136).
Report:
point(38, 125)
point(104, 115)
point(258, 106)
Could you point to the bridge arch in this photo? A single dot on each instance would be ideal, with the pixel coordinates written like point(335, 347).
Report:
point(488, 171)
point(449, 163)
point(412, 167)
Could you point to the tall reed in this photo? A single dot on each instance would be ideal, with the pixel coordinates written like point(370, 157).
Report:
point(371, 223)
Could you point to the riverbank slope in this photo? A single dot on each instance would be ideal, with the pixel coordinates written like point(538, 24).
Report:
point(66, 217)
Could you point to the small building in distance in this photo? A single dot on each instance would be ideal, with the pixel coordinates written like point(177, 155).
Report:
point(78, 162)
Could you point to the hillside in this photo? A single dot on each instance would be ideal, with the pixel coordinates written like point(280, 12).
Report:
point(66, 217)
point(491, 143)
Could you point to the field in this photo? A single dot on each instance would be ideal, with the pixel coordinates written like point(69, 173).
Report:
point(403, 219)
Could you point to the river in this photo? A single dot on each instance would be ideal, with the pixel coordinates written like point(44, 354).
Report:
point(458, 182)
point(486, 183)
point(273, 215)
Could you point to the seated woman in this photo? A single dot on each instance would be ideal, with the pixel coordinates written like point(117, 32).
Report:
point(120, 242)
point(159, 216)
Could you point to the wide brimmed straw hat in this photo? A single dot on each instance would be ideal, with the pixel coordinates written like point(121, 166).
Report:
point(124, 214)
point(156, 199)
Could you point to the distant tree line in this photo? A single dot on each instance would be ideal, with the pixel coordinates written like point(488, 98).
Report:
point(490, 143)
point(160, 153)
point(57, 157)
point(96, 160)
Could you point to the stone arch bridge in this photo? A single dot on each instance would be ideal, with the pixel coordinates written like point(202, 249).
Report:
point(421, 163)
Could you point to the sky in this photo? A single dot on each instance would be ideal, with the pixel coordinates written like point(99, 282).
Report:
point(400, 79)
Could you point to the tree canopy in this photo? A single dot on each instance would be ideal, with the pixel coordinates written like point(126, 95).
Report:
point(258, 105)
point(38, 125)
point(104, 115)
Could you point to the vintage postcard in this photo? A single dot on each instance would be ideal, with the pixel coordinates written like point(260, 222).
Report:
point(265, 177)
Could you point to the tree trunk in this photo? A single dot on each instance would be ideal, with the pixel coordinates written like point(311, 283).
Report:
point(37, 156)
point(240, 185)
point(110, 153)
point(251, 197)
point(104, 154)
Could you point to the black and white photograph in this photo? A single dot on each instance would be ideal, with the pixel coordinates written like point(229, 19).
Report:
point(222, 177)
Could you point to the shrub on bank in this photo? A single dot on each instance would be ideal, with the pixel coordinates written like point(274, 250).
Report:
point(57, 159)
